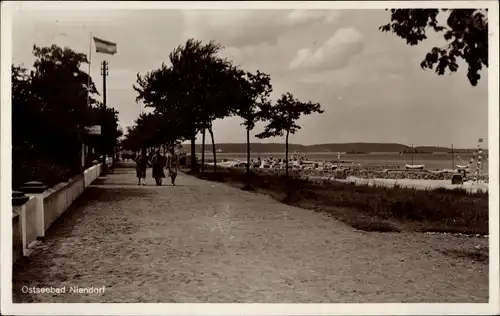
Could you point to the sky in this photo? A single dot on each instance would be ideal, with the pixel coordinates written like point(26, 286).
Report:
point(369, 83)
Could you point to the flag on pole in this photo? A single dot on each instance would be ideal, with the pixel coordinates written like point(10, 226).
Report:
point(105, 47)
point(480, 140)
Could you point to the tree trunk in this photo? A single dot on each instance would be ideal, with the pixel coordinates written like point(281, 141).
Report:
point(194, 165)
point(286, 154)
point(248, 150)
point(213, 147)
point(203, 151)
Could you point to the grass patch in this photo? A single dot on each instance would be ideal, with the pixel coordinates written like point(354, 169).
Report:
point(376, 226)
point(248, 187)
point(372, 208)
point(478, 256)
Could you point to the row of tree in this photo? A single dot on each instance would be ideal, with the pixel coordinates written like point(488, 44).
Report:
point(199, 87)
point(50, 110)
point(150, 131)
point(49, 101)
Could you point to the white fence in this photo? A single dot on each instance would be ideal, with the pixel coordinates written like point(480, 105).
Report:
point(31, 220)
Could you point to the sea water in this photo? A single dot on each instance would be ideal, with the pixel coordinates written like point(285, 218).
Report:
point(438, 161)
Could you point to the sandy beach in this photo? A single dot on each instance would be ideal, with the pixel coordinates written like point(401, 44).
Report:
point(370, 176)
point(420, 184)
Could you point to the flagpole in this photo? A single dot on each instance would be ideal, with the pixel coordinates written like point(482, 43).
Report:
point(83, 150)
point(90, 63)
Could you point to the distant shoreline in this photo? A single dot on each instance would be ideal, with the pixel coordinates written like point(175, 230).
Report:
point(439, 161)
point(335, 153)
point(333, 148)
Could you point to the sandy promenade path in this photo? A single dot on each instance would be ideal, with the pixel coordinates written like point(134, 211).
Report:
point(207, 242)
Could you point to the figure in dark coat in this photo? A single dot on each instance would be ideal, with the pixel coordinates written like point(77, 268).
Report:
point(158, 163)
point(142, 164)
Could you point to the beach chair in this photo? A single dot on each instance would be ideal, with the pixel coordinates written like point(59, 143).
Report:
point(340, 174)
point(457, 179)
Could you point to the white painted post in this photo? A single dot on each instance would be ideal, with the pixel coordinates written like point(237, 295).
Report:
point(40, 225)
point(36, 190)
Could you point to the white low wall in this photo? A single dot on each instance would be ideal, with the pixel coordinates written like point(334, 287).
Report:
point(91, 174)
point(57, 199)
point(32, 219)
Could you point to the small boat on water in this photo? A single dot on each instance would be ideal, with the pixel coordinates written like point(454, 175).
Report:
point(415, 167)
point(412, 166)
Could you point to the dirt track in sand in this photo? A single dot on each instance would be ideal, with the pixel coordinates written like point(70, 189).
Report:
point(207, 242)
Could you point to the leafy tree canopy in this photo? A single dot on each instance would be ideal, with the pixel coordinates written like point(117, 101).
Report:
point(282, 117)
point(466, 33)
point(255, 92)
point(197, 88)
point(49, 105)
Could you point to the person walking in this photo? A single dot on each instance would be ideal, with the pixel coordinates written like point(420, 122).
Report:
point(172, 164)
point(140, 168)
point(158, 162)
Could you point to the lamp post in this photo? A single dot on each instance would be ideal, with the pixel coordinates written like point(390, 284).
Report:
point(104, 73)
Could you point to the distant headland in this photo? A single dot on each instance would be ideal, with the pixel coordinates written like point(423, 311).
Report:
point(350, 148)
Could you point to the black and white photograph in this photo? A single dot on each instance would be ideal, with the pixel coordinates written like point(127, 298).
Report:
point(319, 156)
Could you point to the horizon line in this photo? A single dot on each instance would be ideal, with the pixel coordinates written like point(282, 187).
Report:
point(344, 143)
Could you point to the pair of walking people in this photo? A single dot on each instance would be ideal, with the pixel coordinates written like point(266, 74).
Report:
point(158, 163)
